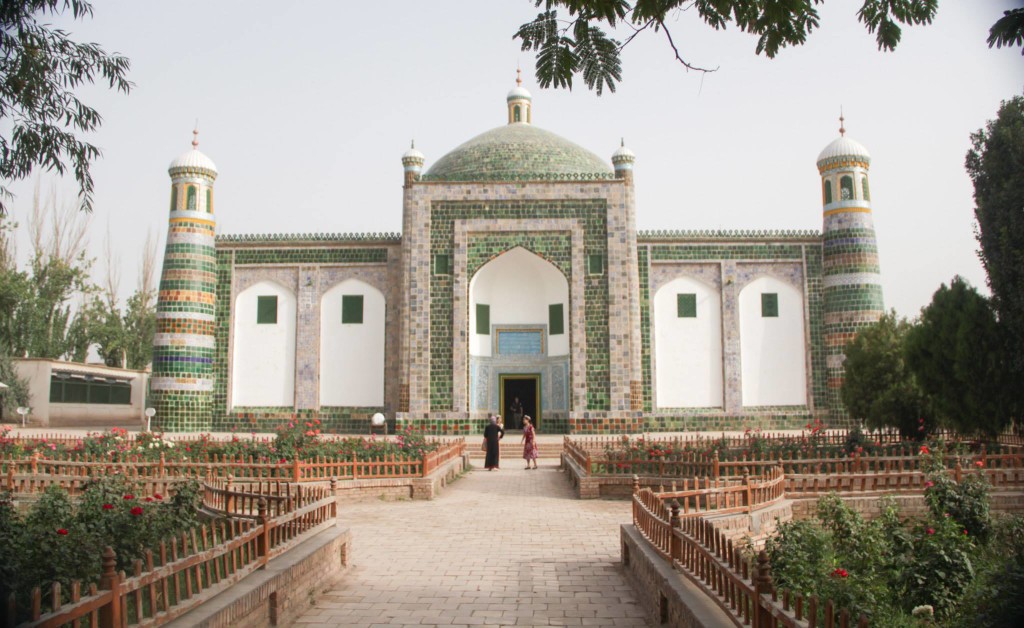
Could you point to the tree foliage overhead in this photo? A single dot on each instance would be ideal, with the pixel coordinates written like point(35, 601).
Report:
point(41, 117)
point(957, 355)
point(996, 166)
point(580, 46)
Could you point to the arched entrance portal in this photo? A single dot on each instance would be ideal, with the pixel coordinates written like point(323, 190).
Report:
point(519, 338)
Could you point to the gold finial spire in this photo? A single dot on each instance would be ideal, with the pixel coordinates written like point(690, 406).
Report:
point(519, 77)
point(412, 144)
point(622, 142)
point(195, 136)
point(842, 129)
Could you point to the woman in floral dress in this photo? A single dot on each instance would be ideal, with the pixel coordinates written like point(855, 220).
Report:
point(529, 443)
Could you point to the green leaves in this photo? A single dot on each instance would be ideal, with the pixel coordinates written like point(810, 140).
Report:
point(883, 18)
point(40, 67)
point(589, 52)
point(1008, 30)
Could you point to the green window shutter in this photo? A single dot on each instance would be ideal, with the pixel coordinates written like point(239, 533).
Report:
point(595, 264)
point(121, 393)
point(209, 201)
point(266, 310)
point(864, 188)
point(190, 198)
point(686, 305)
point(769, 305)
point(56, 391)
point(828, 192)
point(483, 319)
point(441, 264)
point(556, 324)
point(99, 393)
point(174, 198)
point(352, 309)
point(846, 188)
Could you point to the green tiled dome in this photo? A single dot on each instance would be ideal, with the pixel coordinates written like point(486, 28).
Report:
point(515, 152)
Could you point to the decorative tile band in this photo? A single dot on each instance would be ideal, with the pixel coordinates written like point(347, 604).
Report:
point(852, 279)
point(193, 384)
point(181, 340)
point(195, 316)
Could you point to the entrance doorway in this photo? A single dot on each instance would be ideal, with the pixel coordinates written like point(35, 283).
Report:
point(525, 388)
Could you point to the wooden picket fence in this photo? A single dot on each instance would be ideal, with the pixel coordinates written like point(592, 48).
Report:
point(36, 473)
point(184, 572)
point(698, 550)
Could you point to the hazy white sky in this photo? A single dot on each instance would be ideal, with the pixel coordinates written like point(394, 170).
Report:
point(307, 107)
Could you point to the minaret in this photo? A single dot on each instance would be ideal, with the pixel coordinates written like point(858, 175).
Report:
point(622, 160)
point(851, 277)
point(184, 345)
point(412, 163)
point(520, 102)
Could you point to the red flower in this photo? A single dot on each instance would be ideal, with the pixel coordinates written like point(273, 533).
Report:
point(930, 530)
point(979, 463)
point(62, 532)
point(129, 496)
point(840, 573)
point(157, 496)
point(925, 450)
point(108, 506)
point(137, 511)
point(965, 532)
point(149, 499)
point(929, 484)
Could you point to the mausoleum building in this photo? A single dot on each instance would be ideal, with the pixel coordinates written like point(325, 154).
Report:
point(519, 272)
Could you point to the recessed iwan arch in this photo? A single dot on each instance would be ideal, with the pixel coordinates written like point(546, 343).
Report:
point(772, 347)
point(352, 316)
point(688, 345)
point(263, 359)
point(519, 289)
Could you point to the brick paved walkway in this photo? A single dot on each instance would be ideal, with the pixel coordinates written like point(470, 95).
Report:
point(503, 548)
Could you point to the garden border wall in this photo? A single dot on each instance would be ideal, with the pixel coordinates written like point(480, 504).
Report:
point(281, 592)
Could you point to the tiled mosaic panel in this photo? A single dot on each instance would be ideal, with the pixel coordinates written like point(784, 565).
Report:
point(812, 254)
point(553, 247)
point(520, 343)
point(226, 259)
point(267, 419)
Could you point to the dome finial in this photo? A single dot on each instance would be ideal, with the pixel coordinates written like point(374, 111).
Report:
point(195, 136)
point(519, 76)
point(842, 129)
point(412, 145)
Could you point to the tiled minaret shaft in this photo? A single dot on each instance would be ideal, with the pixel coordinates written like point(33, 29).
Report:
point(184, 345)
point(852, 280)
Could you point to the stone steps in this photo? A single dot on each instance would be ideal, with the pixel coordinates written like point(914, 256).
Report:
point(511, 448)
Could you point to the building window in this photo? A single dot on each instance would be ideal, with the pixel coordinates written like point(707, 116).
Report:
point(190, 198)
point(266, 310)
point(686, 305)
point(828, 192)
point(769, 305)
point(442, 264)
point(209, 201)
point(846, 188)
point(483, 319)
point(516, 114)
point(174, 197)
point(595, 264)
point(864, 188)
point(556, 323)
point(352, 309)
point(67, 389)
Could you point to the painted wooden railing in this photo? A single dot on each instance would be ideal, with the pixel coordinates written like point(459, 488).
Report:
point(695, 548)
point(185, 571)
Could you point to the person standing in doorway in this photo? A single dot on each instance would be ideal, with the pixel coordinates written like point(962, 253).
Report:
point(492, 436)
point(530, 451)
point(515, 409)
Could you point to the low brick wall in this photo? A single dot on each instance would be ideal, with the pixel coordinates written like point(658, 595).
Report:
point(402, 488)
point(909, 504)
point(282, 592)
point(605, 486)
point(667, 597)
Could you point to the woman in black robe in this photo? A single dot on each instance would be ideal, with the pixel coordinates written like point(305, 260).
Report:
point(492, 434)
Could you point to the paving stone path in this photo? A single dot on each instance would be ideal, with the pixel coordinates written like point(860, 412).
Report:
point(502, 548)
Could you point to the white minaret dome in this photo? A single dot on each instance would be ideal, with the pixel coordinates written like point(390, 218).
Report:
point(623, 153)
point(412, 154)
point(519, 93)
point(193, 159)
point(843, 146)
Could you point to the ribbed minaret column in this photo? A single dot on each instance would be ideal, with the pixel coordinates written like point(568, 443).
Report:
point(852, 281)
point(622, 161)
point(184, 344)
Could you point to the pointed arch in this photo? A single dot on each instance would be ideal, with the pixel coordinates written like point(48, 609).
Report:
point(688, 344)
point(263, 356)
point(773, 350)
